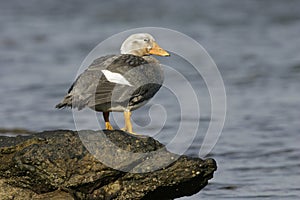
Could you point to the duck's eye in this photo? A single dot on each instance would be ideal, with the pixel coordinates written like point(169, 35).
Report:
point(146, 40)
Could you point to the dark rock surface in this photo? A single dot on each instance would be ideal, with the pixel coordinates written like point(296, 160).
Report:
point(56, 165)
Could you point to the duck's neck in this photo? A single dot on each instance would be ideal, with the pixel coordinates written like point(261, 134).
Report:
point(151, 59)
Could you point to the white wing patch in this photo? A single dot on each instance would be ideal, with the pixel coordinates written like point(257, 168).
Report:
point(115, 77)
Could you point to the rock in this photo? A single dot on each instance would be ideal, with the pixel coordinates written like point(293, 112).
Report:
point(110, 165)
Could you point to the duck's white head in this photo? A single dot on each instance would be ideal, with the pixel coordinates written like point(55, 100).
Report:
point(142, 44)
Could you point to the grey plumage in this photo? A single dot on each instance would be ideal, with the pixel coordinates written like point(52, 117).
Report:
point(92, 89)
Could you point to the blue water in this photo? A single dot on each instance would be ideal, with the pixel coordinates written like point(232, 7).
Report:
point(254, 43)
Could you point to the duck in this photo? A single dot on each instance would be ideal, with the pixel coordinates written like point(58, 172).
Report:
point(119, 83)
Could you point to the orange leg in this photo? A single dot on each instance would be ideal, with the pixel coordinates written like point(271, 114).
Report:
point(106, 119)
point(128, 125)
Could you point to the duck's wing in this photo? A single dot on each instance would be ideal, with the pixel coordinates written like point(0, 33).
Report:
point(107, 78)
point(127, 73)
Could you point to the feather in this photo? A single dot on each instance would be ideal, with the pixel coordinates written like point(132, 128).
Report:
point(115, 77)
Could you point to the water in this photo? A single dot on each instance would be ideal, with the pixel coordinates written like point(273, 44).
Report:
point(255, 44)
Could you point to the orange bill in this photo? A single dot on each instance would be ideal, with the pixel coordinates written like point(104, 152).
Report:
point(157, 50)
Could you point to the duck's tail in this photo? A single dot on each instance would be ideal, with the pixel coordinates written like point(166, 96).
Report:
point(66, 102)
